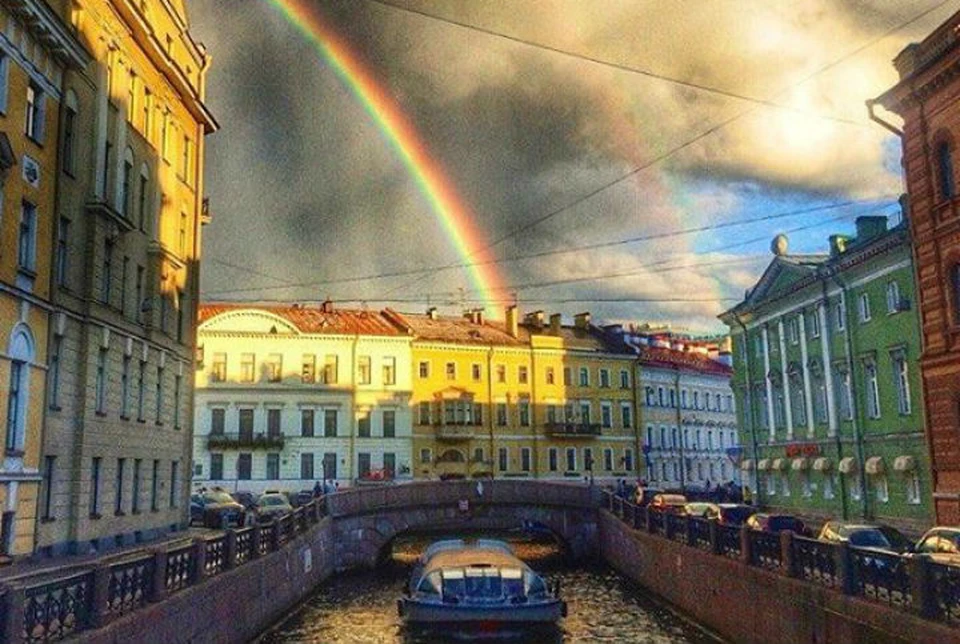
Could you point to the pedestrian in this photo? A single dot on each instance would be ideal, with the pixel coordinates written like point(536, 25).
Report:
point(317, 489)
point(479, 488)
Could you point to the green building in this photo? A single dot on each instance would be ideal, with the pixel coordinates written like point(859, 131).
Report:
point(826, 378)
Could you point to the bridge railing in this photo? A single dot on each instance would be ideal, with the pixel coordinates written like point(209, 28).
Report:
point(49, 607)
point(903, 582)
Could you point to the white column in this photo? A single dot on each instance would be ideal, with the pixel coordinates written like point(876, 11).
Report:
point(827, 370)
point(771, 418)
point(103, 106)
point(785, 380)
point(806, 375)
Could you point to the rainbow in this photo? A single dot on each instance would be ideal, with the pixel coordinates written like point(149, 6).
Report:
point(455, 217)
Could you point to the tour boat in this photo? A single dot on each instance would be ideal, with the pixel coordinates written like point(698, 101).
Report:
point(482, 582)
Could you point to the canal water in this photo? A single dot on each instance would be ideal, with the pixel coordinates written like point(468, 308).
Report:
point(603, 606)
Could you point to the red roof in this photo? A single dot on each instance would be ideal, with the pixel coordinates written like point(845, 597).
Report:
point(314, 319)
point(459, 330)
point(672, 358)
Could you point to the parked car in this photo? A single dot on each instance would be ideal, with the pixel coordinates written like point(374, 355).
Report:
point(216, 510)
point(245, 498)
point(862, 535)
point(300, 498)
point(642, 496)
point(941, 545)
point(777, 523)
point(671, 503)
point(732, 514)
point(272, 505)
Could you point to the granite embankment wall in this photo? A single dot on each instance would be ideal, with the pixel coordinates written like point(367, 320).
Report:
point(749, 604)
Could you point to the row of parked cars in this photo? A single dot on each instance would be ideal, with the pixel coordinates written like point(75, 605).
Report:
point(939, 544)
point(220, 509)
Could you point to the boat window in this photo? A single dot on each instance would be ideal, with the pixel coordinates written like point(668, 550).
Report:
point(484, 583)
point(453, 584)
point(535, 585)
point(430, 584)
point(512, 582)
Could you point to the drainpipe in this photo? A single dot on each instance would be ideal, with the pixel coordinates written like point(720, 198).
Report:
point(854, 407)
point(748, 414)
point(490, 410)
point(844, 510)
point(871, 103)
point(637, 423)
point(353, 412)
point(683, 463)
point(533, 409)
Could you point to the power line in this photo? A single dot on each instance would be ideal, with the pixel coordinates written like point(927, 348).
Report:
point(547, 253)
point(618, 66)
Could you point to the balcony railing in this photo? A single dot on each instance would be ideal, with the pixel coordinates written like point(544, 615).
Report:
point(572, 430)
point(244, 440)
point(454, 432)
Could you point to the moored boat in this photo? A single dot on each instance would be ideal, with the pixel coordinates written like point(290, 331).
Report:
point(480, 582)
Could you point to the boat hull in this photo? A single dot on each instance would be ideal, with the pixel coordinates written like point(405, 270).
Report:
point(415, 611)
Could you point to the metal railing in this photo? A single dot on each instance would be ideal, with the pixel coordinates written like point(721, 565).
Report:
point(903, 582)
point(45, 610)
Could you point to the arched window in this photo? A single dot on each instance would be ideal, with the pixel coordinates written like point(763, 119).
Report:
point(126, 188)
point(143, 197)
point(68, 157)
point(21, 352)
point(945, 169)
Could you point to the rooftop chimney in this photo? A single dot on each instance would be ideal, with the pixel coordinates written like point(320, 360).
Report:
point(534, 319)
point(327, 306)
point(510, 320)
point(474, 315)
point(581, 320)
point(432, 313)
point(555, 324)
point(838, 244)
point(869, 227)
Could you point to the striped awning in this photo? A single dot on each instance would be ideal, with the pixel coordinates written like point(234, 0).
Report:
point(763, 464)
point(904, 463)
point(874, 465)
point(822, 464)
point(778, 464)
point(847, 465)
point(800, 464)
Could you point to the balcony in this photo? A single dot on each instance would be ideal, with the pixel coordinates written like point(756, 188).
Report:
point(455, 432)
point(572, 430)
point(245, 441)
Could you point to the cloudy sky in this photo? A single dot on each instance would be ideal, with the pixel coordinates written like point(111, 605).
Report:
point(557, 111)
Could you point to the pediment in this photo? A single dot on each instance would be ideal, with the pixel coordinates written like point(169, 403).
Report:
point(249, 321)
point(779, 277)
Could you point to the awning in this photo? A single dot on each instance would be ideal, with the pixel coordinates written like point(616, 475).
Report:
point(763, 464)
point(904, 464)
point(822, 464)
point(778, 464)
point(847, 465)
point(746, 464)
point(800, 464)
point(874, 465)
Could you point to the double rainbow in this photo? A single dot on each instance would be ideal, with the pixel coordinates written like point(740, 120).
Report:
point(454, 216)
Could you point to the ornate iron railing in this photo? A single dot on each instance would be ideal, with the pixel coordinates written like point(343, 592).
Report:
point(728, 541)
point(676, 527)
point(57, 609)
point(244, 546)
point(656, 521)
point(129, 585)
point(266, 537)
point(215, 555)
point(880, 576)
point(700, 533)
point(180, 569)
point(765, 550)
point(815, 561)
point(945, 588)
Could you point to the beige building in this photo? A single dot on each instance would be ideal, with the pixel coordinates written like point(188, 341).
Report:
point(126, 250)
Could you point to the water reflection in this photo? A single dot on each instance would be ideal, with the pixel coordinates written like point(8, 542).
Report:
point(602, 605)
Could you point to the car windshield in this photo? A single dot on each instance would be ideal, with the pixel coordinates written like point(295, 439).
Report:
point(736, 515)
point(273, 500)
point(870, 538)
point(776, 524)
point(217, 497)
point(897, 540)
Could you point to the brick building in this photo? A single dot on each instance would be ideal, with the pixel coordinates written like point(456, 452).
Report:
point(928, 98)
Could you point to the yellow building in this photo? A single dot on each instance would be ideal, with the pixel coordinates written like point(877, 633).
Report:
point(36, 51)
point(117, 436)
point(520, 399)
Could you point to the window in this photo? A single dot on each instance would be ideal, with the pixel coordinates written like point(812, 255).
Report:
point(138, 294)
point(274, 365)
point(106, 273)
point(61, 262)
point(503, 459)
point(451, 371)
point(245, 424)
point(273, 422)
point(142, 196)
point(216, 466)
point(27, 240)
point(425, 455)
point(147, 110)
point(159, 415)
point(101, 383)
point(571, 459)
point(854, 486)
point(913, 488)
point(606, 415)
point(524, 409)
point(798, 399)
point(56, 352)
point(608, 459)
point(187, 153)
point(502, 414)
point(330, 423)
point(48, 465)
point(696, 400)
point(475, 372)
point(805, 490)
point(628, 459)
point(814, 324)
point(945, 170)
point(306, 466)
point(219, 371)
point(330, 370)
point(552, 464)
point(124, 204)
point(626, 414)
point(329, 465)
point(174, 483)
point(550, 376)
point(839, 315)
point(423, 413)
point(844, 397)
point(902, 381)
point(363, 425)
point(793, 329)
point(95, 487)
point(363, 370)
point(141, 390)
point(35, 113)
point(118, 487)
point(584, 377)
point(218, 420)
point(308, 368)
point(585, 413)
point(828, 487)
point(125, 388)
point(893, 297)
point(389, 370)
point(424, 369)
point(522, 375)
point(864, 308)
point(247, 367)
point(624, 379)
point(784, 484)
point(673, 398)
point(524, 459)
point(771, 485)
point(124, 271)
point(758, 346)
point(604, 378)
point(306, 422)
point(244, 466)
point(131, 96)
point(389, 423)
point(501, 373)
point(872, 393)
point(881, 489)
point(273, 466)
point(567, 377)
point(155, 487)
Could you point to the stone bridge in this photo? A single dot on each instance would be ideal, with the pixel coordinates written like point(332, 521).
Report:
point(367, 519)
